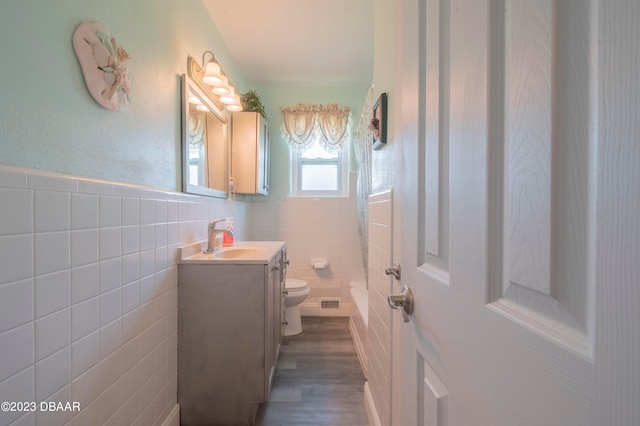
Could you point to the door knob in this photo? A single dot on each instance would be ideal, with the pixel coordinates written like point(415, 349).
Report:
point(402, 302)
point(395, 271)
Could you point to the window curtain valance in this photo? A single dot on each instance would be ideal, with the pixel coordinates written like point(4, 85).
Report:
point(304, 124)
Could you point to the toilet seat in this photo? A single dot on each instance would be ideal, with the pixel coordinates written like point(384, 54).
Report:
point(292, 284)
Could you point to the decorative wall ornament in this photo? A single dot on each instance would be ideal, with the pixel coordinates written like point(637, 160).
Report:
point(304, 124)
point(379, 122)
point(103, 65)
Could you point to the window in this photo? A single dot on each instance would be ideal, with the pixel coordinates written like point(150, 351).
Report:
point(319, 136)
point(318, 173)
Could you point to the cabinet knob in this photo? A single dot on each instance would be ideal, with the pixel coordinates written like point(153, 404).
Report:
point(287, 262)
point(275, 268)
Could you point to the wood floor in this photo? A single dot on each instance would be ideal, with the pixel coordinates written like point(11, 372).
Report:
point(319, 380)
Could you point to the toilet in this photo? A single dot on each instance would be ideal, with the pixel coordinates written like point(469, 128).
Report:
point(297, 291)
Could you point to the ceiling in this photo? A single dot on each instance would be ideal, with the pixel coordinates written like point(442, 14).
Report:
point(327, 42)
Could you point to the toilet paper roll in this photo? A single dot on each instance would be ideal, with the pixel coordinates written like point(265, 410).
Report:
point(319, 263)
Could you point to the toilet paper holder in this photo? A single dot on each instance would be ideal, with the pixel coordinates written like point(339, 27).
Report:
point(319, 263)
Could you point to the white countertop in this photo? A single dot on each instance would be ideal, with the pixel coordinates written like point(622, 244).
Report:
point(265, 251)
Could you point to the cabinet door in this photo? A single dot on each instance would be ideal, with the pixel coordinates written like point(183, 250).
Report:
point(283, 292)
point(250, 147)
point(263, 158)
point(278, 304)
point(269, 339)
point(222, 369)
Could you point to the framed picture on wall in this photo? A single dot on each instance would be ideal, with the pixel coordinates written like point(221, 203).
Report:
point(379, 122)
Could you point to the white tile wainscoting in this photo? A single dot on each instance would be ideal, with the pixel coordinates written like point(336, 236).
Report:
point(88, 295)
point(379, 330)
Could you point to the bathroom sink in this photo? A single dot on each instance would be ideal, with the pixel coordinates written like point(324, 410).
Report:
point(239, 253)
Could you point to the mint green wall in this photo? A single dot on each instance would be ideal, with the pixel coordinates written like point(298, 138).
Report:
point(278, 95)
point(49, 120)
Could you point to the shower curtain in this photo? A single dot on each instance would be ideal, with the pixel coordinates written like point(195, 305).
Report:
point(362, 145)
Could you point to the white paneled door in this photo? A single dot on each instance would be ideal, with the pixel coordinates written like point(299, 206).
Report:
point(519, 140)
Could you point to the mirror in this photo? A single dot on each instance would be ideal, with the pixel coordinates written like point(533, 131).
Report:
point(204, 143)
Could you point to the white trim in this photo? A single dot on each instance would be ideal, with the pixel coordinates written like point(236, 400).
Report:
point(370, 407)
point(360, 350)
point(173, 419)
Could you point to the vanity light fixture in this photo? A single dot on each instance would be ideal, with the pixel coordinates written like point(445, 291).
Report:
point(212, 73)
point(236, 105)
point(232, 101)
point(230, 97)
point(222, 88)
point(211, 79)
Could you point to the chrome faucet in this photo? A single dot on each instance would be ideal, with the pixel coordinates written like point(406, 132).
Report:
point(213, 233)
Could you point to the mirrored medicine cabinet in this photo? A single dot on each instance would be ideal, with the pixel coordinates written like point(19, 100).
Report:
point(205, 143)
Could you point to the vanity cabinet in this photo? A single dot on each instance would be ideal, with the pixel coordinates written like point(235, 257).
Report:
point(250, 147)
point(229, 335)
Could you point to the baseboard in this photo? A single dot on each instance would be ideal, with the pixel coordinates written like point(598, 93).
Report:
point(370, 407)
point(173, 419)
point(362, 355)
